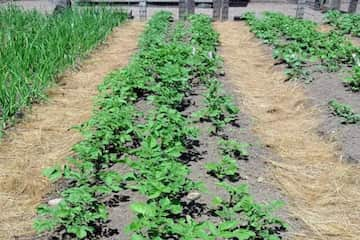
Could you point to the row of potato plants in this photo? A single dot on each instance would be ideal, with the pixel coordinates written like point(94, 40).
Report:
point(35, 48)
point(345, 23)
point(297, 43)
point(239, 211)
point(152, 143)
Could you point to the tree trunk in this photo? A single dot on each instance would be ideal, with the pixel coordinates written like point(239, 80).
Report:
point(353, 6)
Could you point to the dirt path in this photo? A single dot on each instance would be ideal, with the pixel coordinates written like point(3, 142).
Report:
point(322, 191)
point(45, 139)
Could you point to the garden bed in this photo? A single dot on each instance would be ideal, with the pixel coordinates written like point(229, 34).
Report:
point(163, 124)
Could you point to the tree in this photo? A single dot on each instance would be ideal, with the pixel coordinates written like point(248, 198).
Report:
point(353, 6)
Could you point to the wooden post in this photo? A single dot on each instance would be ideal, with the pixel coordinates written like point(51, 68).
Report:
point(186, 7)
point(300, 9)
point(225, 10)
point(335, 4)
point(190, 9)
point(182, 9)
point(216, 9)
point(353, 6)
point(142, 10)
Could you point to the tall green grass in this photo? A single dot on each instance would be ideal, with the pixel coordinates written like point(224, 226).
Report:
point(35, 48)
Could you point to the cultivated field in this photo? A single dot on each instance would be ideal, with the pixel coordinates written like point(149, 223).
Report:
point(179, 129)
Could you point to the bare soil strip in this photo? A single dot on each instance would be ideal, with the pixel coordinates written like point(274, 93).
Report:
point(45, 137)
point(322, 190)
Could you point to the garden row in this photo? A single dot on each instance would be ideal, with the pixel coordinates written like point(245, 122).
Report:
point(305, 50)
point(35, 48)
point(345, 23)
point(142, 122)
point(298, 44)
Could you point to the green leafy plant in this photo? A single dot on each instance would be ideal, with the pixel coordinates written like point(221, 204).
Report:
point(345, 111)
point(234, 148)
point(220, 109)
point(152, 142)
point(298, 44)
point(343, 22)
point(153, 219)
point(354, 80)
point(77, 212)
point(226, 168)
point(256, 218)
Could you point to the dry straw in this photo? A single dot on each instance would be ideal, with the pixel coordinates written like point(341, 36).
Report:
point(322, 190)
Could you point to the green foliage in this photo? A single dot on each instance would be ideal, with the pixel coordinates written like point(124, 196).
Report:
point(235, 149)
point(35, 48)
point(153, 220)
point(227, 167)
point(354, 80)
point(345, 111)
point(76, 212)
point(343, 22)
point(220, 109)
point(110, 131)
point(257, 219)
point(298, 44)
point(151, 143)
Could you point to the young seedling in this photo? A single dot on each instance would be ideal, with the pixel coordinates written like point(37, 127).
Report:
point(226, 168)
point(345, 111)
point(234, 148)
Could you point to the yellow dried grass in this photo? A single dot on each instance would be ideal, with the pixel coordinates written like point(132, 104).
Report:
point(323, 191)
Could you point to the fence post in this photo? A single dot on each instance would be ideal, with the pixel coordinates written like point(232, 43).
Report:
point(142, 10)
point(224, 10)
point(182, 9)
point(300, 9)
point(335, 4)
point(317, 4)
point(216, 9)
point(353, 6)
point(190, 7)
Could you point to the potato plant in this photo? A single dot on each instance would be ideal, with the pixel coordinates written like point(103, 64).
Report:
point(345, 112)
point(159, 74)
point(343, 22)
point(298, 44)
point(226, 168)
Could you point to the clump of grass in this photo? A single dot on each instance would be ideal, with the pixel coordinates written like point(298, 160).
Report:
point(35, 48)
